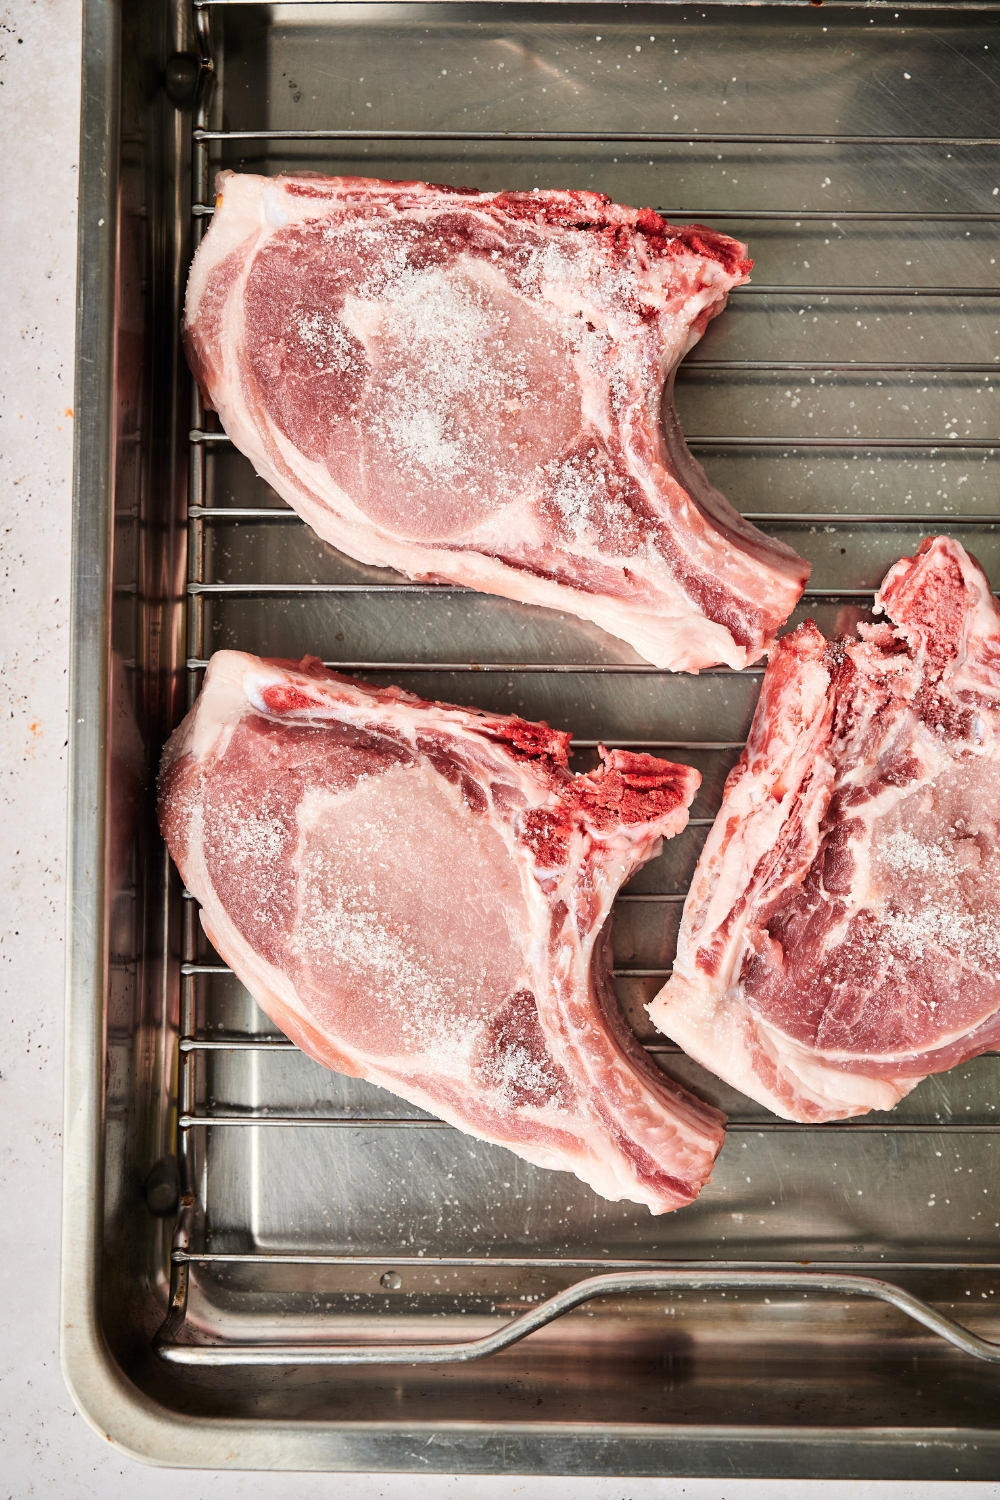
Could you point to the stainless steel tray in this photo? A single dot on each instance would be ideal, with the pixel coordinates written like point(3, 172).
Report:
point(847, 402)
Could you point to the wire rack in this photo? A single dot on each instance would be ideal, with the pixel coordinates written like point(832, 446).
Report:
point(616, 1276)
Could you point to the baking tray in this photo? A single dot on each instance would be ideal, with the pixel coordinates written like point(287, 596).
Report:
point(233, 1212)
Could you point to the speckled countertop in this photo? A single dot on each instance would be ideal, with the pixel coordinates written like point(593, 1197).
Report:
point(45, 1448)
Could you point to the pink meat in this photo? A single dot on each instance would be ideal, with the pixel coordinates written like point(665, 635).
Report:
point(841, 939)
point(468, 387)
point(419, 895)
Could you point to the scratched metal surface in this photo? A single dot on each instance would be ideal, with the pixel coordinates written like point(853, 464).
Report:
point(860, 464)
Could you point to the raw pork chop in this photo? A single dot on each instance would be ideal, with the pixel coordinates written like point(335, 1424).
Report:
point(417, 895)
point(841, 939)
point(467, 387)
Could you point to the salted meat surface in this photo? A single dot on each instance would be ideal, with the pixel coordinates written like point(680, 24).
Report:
point(841, 939)
point(419, 895)
point(469, 387)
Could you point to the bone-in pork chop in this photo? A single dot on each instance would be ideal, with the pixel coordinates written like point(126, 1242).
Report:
point(468, 387)
point(841, 939)
point(417, 895)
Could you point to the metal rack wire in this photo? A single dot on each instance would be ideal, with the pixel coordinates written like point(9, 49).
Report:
point(617, 1277)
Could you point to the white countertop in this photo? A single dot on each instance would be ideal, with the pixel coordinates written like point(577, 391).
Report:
point(46, 1449)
